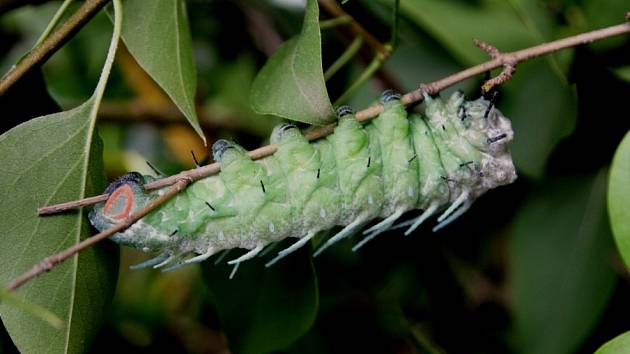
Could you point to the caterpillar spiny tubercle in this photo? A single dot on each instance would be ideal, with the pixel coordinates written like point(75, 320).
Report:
point(444, 159)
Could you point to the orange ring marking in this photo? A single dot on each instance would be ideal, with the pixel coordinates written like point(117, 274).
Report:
point(123, 191)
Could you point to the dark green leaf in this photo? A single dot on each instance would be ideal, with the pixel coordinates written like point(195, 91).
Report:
point(47, 160)
point(157, 34)
point(601, 14)
point(619, 198)
point(560, 265)
point(455, 24)
point(291, 84)
point(623, 73)
point(264, 309)
point(543, 111)
point(618, 345)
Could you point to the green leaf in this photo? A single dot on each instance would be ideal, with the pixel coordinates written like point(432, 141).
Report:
point(601, 14)
point(619, 198)
point(623, 73)
point(543, 111)
point(157, 34)
point(455, 24)
point(264, 309)
point(618, 345)
point(32, 309)
point(560, 270)
point(291, 84)
point(47, 160)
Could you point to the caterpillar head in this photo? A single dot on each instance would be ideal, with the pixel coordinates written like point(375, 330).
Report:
point(482, 116)
point(490, 132)
point(126, 196)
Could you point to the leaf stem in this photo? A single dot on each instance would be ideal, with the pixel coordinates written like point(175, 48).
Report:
point(50, 45)
point(372, 111)
point(332, 7)
point(53, 23)
point(344, 58)
point(394, 40)
point(334, 22)
point(376, 63)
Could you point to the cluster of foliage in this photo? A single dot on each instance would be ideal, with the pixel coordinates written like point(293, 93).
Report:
point(532, 268)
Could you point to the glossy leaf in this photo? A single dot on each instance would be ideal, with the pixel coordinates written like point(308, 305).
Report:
point(560, 273)
point(46, 160)
point(157, 34)
point(619, 198)
point(291, 84)
point(618, 345)
point(262, 309)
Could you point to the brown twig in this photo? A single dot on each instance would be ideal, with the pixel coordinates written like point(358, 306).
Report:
point(333, 8)
point(48, 263)
point(51, 44)
point(371, 112)
point(509, 65)
point(261, 28)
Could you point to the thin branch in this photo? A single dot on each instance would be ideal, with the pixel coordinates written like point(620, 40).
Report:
point(372, 56)
point(344, 58)
point(48, 263)
point(334, 22)
point(509, 65)
point(333, 8)
point(372, 111)
point(372, 67)
point(54, 22)
point(48, 47)
point(261, 28)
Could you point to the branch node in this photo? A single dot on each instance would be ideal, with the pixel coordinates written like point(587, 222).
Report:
point(429, 89)
point(507, 61)
point(491, 50)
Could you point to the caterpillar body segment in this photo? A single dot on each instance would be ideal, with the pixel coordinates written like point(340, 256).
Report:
point(440, 161)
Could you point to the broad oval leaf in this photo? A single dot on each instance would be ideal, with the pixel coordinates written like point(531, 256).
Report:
point(291, 85)
point(617, 345)
point(619, 198)
point(157, 34)
point(47, 160)
point(262, 309)
point(560, 272)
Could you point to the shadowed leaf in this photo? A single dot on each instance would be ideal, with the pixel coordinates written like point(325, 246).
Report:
point(619, 198)
point(560, 265)
point(262, 309)
point(47, 160)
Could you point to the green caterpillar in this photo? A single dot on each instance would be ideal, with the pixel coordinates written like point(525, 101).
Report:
point(363, 171)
